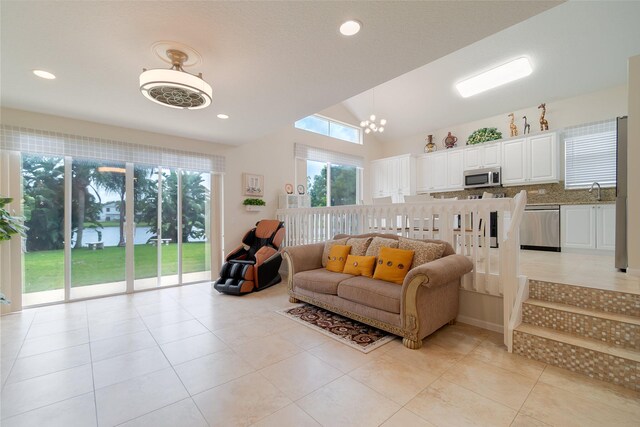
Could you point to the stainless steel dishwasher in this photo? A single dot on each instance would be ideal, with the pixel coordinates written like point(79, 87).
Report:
point(540, 228)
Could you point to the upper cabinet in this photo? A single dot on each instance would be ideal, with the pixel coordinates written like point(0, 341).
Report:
point(393, 176)
point(482, 156)
point(530, 160)
point(440, 171)
point(524, 160)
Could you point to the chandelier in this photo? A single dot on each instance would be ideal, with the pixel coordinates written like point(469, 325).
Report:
point(175, 87)
point(371, 125)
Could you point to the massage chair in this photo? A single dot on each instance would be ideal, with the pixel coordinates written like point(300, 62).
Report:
point(254, 265)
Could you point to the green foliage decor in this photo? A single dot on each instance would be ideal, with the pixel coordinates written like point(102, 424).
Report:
point(9, 224)
point(254, 202)
point(484, 135)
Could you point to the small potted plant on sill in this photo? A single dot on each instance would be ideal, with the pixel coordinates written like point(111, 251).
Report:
point(9, 225)
point(254, 205)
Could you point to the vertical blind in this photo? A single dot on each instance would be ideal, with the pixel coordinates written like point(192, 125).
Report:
point(590, 155)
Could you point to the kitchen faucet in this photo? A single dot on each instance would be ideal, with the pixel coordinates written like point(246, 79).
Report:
point(598, 198)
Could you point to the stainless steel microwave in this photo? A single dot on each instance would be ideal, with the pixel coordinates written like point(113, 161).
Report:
point(479, 178)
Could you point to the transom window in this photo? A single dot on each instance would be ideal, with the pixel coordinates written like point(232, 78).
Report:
point(331, 128)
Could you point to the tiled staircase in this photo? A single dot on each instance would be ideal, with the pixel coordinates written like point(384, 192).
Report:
point(590, 331)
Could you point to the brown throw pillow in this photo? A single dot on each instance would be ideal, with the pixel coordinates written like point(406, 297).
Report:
point(327, 247)
point(378, 242)
point(359, 245)
point(424, 252)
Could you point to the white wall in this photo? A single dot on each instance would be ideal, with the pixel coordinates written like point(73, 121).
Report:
point(272, 156)
point(601, 105)
point(633, 174)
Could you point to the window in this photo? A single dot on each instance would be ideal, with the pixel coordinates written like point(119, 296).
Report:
point(166, 240)
point(343, 188)
point(331, 178)
point(331, 128)
point(590, 155)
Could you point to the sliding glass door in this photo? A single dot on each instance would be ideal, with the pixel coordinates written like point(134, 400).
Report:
point(43, 198)
point(169, 235)
point(98, 255)
point(196, 217)
point(172, 211)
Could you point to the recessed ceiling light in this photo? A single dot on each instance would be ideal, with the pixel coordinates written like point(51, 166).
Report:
point(223, 116)
point(350, 27)
point(44, 74)
point(495, 77)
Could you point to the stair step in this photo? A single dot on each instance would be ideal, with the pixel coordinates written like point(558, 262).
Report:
point(614, 317)
point(613, 328)
point(584, 297)
point(587, 343)
point(586, 356)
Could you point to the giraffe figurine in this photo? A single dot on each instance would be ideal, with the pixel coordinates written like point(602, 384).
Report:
point(544, 125)
point(512, 126)
point(527, 126)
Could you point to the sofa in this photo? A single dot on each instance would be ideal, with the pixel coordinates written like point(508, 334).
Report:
point(426, 300)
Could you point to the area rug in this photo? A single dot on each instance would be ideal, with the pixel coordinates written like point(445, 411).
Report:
point(354, 334)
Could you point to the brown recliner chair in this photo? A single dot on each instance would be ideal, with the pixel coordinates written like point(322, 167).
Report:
point(254, 265)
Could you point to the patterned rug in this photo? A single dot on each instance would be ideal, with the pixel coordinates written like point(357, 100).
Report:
point(354, 334)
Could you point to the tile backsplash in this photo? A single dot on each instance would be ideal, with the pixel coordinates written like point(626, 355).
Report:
point(553, 193)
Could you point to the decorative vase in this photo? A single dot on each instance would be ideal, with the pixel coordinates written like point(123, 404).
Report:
point(431, 146)
point(450, 141)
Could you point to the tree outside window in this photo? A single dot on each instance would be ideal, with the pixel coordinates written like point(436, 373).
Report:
point(343, 184)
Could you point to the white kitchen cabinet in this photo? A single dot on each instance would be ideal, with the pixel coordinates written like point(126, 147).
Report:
point(431, 172)
point(482, 156)
point(542, 161)
point(513, 165)
point(606, 227)
point(455, 168)
point(588, 227)
point(393, 176)
point(531, 160)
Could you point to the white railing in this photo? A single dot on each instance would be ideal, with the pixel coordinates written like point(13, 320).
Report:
point(462, 223)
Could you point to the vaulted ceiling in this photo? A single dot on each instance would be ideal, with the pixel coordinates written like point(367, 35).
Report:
point(575, 48)
point(270, 63)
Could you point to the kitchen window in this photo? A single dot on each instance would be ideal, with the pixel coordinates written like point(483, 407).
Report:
point(590, 155)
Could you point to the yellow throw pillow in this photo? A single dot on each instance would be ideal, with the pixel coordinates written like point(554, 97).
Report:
point(337, 258)
point(360, 265)
point(327, 247)
point(393, 265)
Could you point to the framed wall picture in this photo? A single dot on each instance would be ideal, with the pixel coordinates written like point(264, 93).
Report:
point(253, 184)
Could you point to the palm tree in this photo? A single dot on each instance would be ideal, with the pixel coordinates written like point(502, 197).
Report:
point(85, 206)
point(43, 193)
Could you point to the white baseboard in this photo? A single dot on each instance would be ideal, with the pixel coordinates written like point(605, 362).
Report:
point(635, 272)
point(481, 324)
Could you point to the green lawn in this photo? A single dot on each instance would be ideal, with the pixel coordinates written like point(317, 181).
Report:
point(44, 270)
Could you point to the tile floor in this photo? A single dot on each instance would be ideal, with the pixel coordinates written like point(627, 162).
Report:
point(191, 357)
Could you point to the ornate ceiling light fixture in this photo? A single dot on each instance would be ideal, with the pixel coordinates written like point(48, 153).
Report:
point(175, 87)
point(371, 125)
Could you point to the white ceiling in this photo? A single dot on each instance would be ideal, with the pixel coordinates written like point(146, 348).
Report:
point(575, 48)
point(270, 63)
